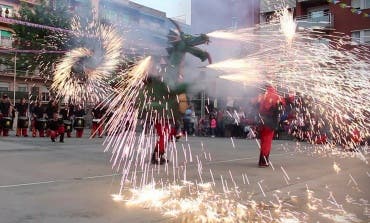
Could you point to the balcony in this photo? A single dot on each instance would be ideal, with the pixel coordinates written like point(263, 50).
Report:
point(309, 0)
point(33, 2)
point(6, 43)
point(324, 21)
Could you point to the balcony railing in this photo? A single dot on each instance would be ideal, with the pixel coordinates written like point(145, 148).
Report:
point(316, 22)
point(20, 73)
point(6, 43)
point(310, 0)
point(31, 1)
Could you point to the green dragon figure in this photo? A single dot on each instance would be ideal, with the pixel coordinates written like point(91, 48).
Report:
point(180, 44)
point(171, 89)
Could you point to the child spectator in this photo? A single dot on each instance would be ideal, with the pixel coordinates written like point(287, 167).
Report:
point(213, 126)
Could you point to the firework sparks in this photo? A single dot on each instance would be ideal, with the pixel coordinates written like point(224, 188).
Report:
point(332, 82)
point(287, 25)
point(200, 203)
point(83, 73)
point(304, 68)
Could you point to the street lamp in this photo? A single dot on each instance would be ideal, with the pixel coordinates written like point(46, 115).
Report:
point(15, 75)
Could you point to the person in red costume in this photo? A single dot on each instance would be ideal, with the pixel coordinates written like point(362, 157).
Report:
point(269, 105)
point(166, 134)
point(56, 127)
point(79, 121)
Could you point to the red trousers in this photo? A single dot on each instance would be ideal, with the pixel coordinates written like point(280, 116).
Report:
point(55, 133)
point(34, 130)
point(96, 127)
point(5, 132)
point(266, 136)
point(79, 133)
point(165, 135)
point(21, 132)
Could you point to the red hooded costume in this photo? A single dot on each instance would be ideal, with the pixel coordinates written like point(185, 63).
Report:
point(268, 107)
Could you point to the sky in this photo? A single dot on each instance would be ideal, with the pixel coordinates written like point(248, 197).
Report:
point(173, 8)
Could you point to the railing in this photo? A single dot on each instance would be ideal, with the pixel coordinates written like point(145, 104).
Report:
point(7, 43)
point(31, 1)
point(20, 73)
point(18, 94)
point(324, 21)
point(308, 0)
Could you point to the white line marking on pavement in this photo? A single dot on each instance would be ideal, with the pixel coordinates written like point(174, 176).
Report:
point(111, 175)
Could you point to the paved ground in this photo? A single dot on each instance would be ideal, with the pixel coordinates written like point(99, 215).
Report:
point(42, 181)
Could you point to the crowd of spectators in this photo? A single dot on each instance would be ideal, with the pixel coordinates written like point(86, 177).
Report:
point(299, 120)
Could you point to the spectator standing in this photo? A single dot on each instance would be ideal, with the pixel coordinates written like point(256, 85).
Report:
point(213, 126)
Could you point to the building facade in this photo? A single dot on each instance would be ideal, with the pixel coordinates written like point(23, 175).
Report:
point(336, 18)
point(25, 81)
point(327, 16)
point(268, 8)
point(145, 32)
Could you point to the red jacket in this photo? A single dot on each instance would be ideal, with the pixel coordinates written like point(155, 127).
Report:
point(268, 100)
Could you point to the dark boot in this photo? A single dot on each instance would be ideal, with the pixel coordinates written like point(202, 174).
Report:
point(162, 160)
point(61, 138)
point(155, 158)
point(264, 161)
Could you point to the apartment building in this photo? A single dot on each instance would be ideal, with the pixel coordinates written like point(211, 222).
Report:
point(148, 29)
point(335, 18)
point(339, 16)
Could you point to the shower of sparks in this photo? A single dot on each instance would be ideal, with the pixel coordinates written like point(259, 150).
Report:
point(97, 60)
point(200, 203)
point(287, 25)
point(129, 150)
point(288, 58)
point(328, 75)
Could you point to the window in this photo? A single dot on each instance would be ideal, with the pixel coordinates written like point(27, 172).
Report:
point(316, 14)
point(366, 4)
point(366, 37)
point(4, 87)
point(35, 93)
point(356, 37)
point(356, 4)
point(22, 88)
point(361, 36)
point(45, 96)
point(5, 38)
point(360, 4)
point(6, 11)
